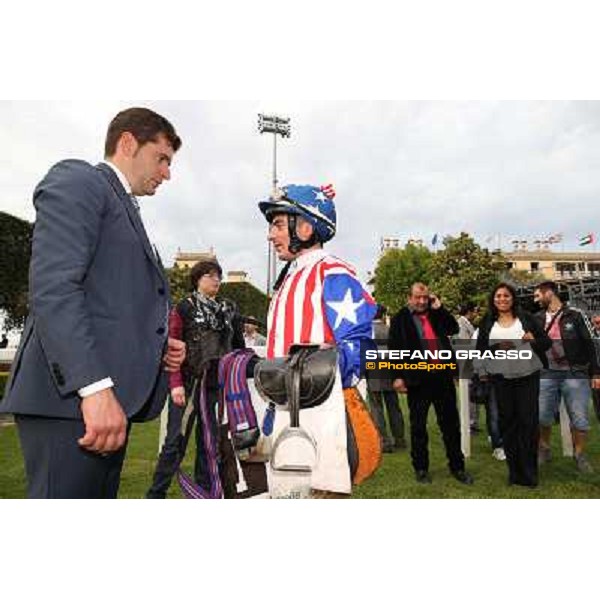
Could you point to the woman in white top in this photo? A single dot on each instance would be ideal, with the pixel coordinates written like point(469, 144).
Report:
point(516, 381)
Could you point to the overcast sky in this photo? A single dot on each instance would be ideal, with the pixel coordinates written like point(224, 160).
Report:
point(400, 168)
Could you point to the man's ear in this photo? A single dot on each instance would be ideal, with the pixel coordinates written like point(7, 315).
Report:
point(127, 144)
point(304, 230)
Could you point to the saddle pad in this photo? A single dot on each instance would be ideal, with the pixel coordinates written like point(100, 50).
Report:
point(366, 436)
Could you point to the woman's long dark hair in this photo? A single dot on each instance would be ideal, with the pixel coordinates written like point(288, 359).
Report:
point(492, 310)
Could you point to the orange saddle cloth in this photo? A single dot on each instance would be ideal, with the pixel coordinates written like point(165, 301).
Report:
point(365, 447)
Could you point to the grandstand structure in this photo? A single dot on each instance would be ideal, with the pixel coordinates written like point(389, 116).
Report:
point(579, 292)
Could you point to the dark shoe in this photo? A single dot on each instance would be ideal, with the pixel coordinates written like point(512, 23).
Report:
point(422, 476)
point(463, 477)
point(528, 484)
point(154, 496)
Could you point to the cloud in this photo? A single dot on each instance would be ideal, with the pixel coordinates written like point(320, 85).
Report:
point(407, 169)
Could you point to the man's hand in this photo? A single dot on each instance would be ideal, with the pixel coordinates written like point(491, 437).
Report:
point(105, 422)
point(528, 337)
point(434, 302)
point(178, 396)
point(175, 355)
point(399, 386)
point(595, 382)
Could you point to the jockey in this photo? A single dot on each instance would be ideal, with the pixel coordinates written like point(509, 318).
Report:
point(319, 300)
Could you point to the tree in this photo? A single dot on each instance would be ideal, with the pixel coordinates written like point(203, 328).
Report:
point(397, 270)
point(519, 277)
point(250, 300)
point(15, 254)
point(464, 271)
point(179, 282)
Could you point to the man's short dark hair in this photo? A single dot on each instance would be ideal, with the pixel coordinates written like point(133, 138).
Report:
point(203, 268)
point(144, 124)
point(547, 286)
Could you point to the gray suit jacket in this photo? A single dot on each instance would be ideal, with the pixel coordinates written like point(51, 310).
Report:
point(98, 297)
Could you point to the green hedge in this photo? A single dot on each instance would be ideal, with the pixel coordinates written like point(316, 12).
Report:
point(250, 300)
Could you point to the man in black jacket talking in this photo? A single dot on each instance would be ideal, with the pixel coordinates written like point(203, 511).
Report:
point(424, 324)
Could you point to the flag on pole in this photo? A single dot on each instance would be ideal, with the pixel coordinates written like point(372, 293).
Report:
point(434, 240)
point(555, 238)
point(586, 239)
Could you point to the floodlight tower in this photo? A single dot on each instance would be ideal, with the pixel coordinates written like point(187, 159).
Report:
point(277, 126)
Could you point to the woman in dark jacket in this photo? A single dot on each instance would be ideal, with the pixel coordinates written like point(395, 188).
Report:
point(516, 381)
point(211, 327)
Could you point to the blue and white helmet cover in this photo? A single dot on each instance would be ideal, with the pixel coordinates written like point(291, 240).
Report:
point(315, 204)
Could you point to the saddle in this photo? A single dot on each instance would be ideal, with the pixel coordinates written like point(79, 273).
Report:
point(308, 373)
point(317, 368)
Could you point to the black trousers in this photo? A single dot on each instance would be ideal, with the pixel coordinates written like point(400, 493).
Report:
point(57, 467)
point(492, 419)
point(518, 411)
point(438, 390)
point(389, 399)
point(172, 449)
point(596, 402)
point(168, 460)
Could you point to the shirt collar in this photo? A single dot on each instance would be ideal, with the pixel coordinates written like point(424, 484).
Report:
point(120, 176)
point(309, 258)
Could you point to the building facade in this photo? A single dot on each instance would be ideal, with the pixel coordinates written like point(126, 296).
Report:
point(186, 260)
point(554, 266)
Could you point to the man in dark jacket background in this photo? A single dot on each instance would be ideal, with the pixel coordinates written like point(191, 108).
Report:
point(424, 324)
point(572, 362)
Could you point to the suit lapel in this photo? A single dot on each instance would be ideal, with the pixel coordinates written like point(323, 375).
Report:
point(132, 213)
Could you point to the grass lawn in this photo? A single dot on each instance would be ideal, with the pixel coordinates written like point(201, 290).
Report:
point(394, 479)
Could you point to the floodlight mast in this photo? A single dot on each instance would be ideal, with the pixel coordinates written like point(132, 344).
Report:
point(276, 125)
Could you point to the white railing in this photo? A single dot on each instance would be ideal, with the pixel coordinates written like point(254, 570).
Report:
point(7, 355)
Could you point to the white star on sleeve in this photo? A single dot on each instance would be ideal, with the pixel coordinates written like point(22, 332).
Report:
point(320, 196)
point(346, 309)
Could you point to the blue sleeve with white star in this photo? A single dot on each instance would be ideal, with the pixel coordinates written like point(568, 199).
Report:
point(349, 310)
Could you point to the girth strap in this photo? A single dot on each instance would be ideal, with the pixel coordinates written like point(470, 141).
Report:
point(234, 397)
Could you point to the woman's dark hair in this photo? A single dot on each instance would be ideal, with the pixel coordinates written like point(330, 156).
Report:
point(202, 268)
point(144, 124)
point(492, 307)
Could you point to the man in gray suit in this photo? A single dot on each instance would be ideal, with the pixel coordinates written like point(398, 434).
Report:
point(94, 350)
